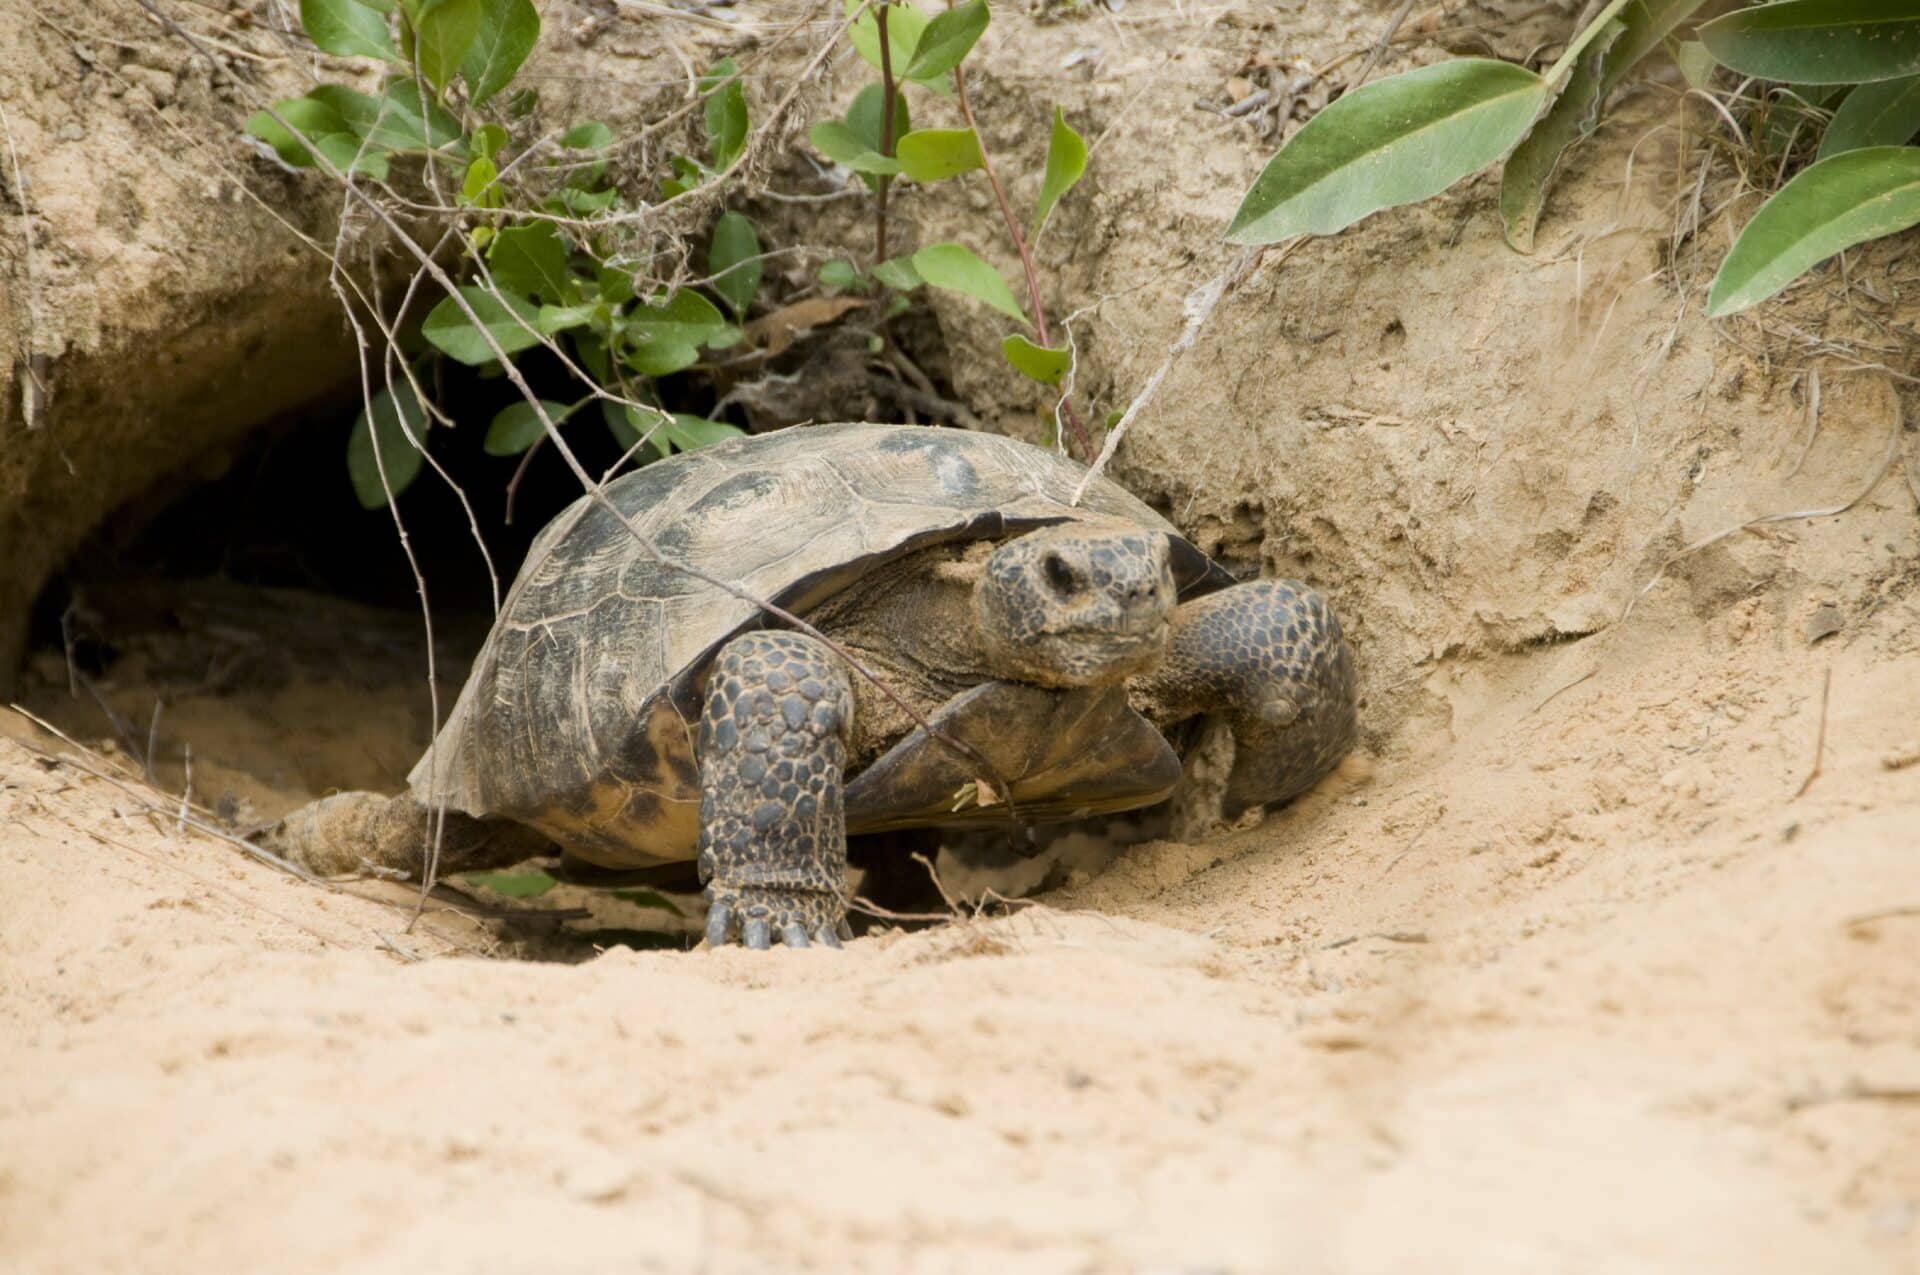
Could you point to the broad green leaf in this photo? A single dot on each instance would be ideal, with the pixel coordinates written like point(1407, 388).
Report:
point(509, 322)
point(726, 112)
point(555, 319)
point(405, 117)
point(906, 22)
point(1883, 114)
point(443, 31)
point(629, 425)
point(688, 433)
point(320, 124)
point(508, 31)
point(613, 284)
point(841, 274)
point(733, 259)
point(1696, 64)
point(946, 40)
point(530, 258)
point(662, 356)
point(1043, 363)
point(589, 136)
point(955, 267)
point(1394, 141)
point(1066, 162)
point(347, 29)
point(517, 426)
point(684, 316)
point(515, 885)
point(477, 189)
point(933, 154)
point(593, 356)
point(489, 140)
point(863, 116)
point(837, 142)
point(1819, 41)
point(398, 427)
point(898, 273)
point(580, 203)
point(1528, 172)
point(1829, 206)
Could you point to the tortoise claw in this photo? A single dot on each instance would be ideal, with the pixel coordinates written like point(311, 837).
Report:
point(794, 935)
point(719, 924)
point(756, 935)
point(825, 937)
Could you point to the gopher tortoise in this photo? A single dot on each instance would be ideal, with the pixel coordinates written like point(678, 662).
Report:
point(983, 649)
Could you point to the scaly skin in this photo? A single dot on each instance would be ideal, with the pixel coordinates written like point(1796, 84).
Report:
point(773, 830)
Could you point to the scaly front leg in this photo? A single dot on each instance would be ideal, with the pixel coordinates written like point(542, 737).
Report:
point(773, 829)
point(1269, 659)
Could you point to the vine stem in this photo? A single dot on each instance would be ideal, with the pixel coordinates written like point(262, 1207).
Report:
point(1082, 442)
point(888, 89)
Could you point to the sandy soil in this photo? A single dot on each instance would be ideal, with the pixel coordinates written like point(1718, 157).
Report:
point(1612, 963)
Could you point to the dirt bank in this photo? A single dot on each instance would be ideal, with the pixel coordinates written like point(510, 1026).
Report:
point(1610, 965)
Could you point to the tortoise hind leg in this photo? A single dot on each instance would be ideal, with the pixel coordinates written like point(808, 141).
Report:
point(1269, 658)
point(773, 829)
point(353, 833)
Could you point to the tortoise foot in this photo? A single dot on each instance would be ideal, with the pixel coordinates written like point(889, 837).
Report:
point(772, 745)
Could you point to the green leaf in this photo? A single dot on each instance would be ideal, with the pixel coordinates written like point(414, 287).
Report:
point(443, 31)
point(629, 425)
point(591, 135)
point(933, 154)
point(1394, 141)
point(1819, 41)
point(405, 117)
point(726, 112)
point(530, 258)
point(1827, 207)
point(648, 899)
point(946, 40)
point(684, 316)
point(1696, 64)
point(398, 426)
point(1043, 363)
point(489, 140)
point(955, 267)
point(580, 203)
point(347, 29)
point(841, 274)
point(317, 121)
point(863, 116)
point(517, 426)
point(1528, 172)
point(1882, 114)
point(508, 31)
point(906, 22)
point(733, 259)
point(1066, 162)
point(1598, 70)
point(514, 885)
point(555, 319)
point(688, 433)
point(662, 356)
point(509, 321)
point(477, 189)
point(837, 142)
point(898, 273)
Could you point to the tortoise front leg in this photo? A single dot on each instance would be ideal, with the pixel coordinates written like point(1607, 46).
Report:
point(1269, 658)
point(773, 831)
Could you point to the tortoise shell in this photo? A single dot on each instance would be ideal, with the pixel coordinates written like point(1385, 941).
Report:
point(578, 717)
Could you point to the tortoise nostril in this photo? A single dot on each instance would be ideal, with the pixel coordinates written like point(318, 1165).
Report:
point(1060, 574)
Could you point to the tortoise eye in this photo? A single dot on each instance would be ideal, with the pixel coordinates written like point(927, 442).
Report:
point(1060, 574)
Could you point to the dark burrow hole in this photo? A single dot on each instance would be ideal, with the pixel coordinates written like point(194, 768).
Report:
point(252, 618)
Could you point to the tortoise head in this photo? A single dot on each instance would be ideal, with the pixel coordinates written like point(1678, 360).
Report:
point(1076, 604)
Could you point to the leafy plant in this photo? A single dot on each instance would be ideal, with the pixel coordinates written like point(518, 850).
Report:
point(876, 140)
point(542, 271)
point(1407, 137)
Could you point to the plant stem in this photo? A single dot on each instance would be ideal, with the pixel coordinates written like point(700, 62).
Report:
point(1581, 41)
point(1080, 439)
point(887, 91)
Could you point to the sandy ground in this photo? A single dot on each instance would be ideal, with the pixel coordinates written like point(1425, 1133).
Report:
point(1582, 986)
point(1593, 973)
